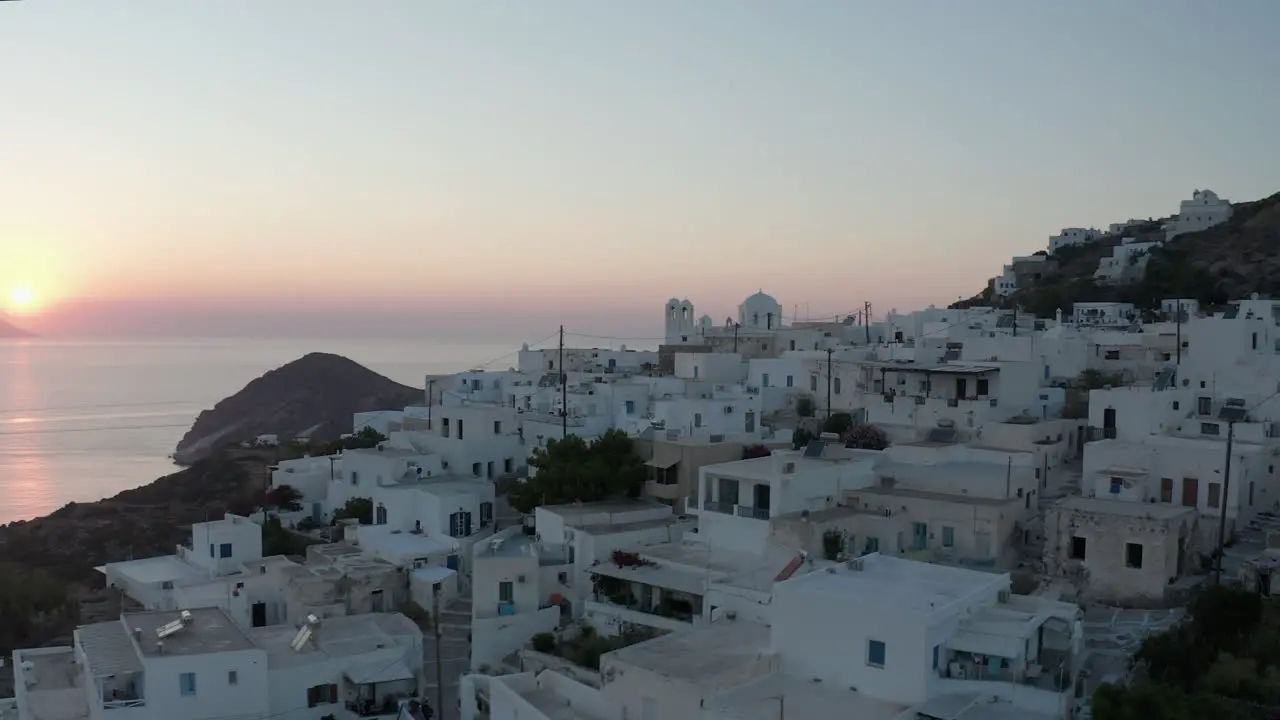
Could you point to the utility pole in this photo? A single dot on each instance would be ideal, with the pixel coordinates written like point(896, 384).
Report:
point(435, 624)
point(1222, 500)
point(866, 319)
point(431, 384)
point(1178, 321)
point(829, 352)
point(564, 391)
point(735, 337)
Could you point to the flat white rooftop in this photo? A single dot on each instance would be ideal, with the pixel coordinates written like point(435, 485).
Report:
point(337, 637)
point(52, 688)
point(1105, 506)
point(701, 656)
point(155, 570)
point(209, 631)
point(886, 581)
point(575, 512)
point(775, 695)
point(378, 538)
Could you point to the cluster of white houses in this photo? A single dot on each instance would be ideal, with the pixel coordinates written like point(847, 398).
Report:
point(1129, 256)
point(818, 579)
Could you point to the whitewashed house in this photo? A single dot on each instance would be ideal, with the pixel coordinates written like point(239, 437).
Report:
point(1103, 314)
point(218, 549)
point(1204, 210)
point(1127, 261)
point(1072, 236)
point(198, 664)
point(880, 638)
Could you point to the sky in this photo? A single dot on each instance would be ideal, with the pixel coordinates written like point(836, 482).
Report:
point(478, 168)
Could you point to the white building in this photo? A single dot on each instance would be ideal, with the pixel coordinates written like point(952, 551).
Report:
point(218, 548)
point(907, 632)
point(1072, 236)
point(878, 639)
point(1103, 314)
point(1127, 261)
point(1204, 210)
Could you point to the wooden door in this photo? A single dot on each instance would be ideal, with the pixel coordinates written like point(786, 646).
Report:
point(1190, 492)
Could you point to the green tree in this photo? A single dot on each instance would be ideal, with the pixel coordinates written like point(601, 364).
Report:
point(283, 497)
point(838, 423)
point(573, 470)
point(804, 406)
point(360, 508)
point(755, 451)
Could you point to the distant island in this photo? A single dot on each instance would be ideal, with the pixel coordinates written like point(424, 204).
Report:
point(9, 330)
point(313, 396)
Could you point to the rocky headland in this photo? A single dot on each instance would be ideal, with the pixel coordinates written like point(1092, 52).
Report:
point(314, 396)
point(9, 330)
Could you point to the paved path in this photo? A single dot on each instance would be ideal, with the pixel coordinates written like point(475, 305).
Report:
point(454, 656)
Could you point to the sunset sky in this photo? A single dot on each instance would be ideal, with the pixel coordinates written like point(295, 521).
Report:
point(253, 166)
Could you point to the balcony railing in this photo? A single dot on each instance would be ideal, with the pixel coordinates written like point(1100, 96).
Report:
point(1097, 433)
point(720, 506)
point(753, 512)
point(119, 703)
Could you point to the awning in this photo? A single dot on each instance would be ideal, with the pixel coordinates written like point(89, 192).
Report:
point(665, 455)
point(379, 672)
point(656, 575)
point(1001, 646)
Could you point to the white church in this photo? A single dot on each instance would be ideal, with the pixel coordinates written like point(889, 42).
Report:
point(758, 313)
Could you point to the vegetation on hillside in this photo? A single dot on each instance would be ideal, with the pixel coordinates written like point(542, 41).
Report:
point(1226, 262)
point(573, 470)
point(1222, 661)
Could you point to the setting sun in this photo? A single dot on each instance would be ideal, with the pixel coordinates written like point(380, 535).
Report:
point(22, 299)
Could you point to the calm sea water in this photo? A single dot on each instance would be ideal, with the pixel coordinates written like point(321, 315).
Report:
point(80, 421)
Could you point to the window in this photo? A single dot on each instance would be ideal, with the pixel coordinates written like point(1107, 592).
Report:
point(475, 469)
point(187, 683)
point(813, 383)
point(1175, 402)
point(488, 469)
point(486, 513)
point(1204, 405)
point(563, 577)
point(1166, 490)
point(872, 546)
point(459, 428)
point(444, 427)
point(508, 465)
point(984, 386)
point(697, 419)
point(793, 344)
point(631, 407)
point(224, 550)
point(322, 695)
point(835, 385)
point(1077, 548)
point(791, 381)
point(875, 653)
point(1215, 494)
point(355, 478)
point(1117, 485)
point(937, 655)
point(1133, 555)
point(948, 540)
point(764, 380)
point(497, 427)
point(1250, 493)
point(212, 552)
point(506, 592)
point(1210, 428)
point(233, 678)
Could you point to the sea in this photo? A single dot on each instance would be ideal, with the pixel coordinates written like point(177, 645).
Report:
point(84, 420)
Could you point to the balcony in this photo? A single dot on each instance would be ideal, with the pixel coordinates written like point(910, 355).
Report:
point(753, 512)
point(719, 506)
point(1100, 433)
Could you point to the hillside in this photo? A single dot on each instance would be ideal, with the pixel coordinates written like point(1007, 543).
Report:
point(1226, 262)
point(9, 330)
point(315, 394)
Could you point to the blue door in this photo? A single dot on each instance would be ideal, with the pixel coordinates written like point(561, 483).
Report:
point(921, 539)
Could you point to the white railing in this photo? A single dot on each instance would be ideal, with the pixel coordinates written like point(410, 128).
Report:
point(113, 704)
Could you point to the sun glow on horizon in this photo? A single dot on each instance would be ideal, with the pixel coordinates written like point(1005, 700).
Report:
point(23, 300)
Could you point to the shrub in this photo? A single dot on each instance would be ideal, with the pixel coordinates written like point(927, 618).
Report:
point(544, 642)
